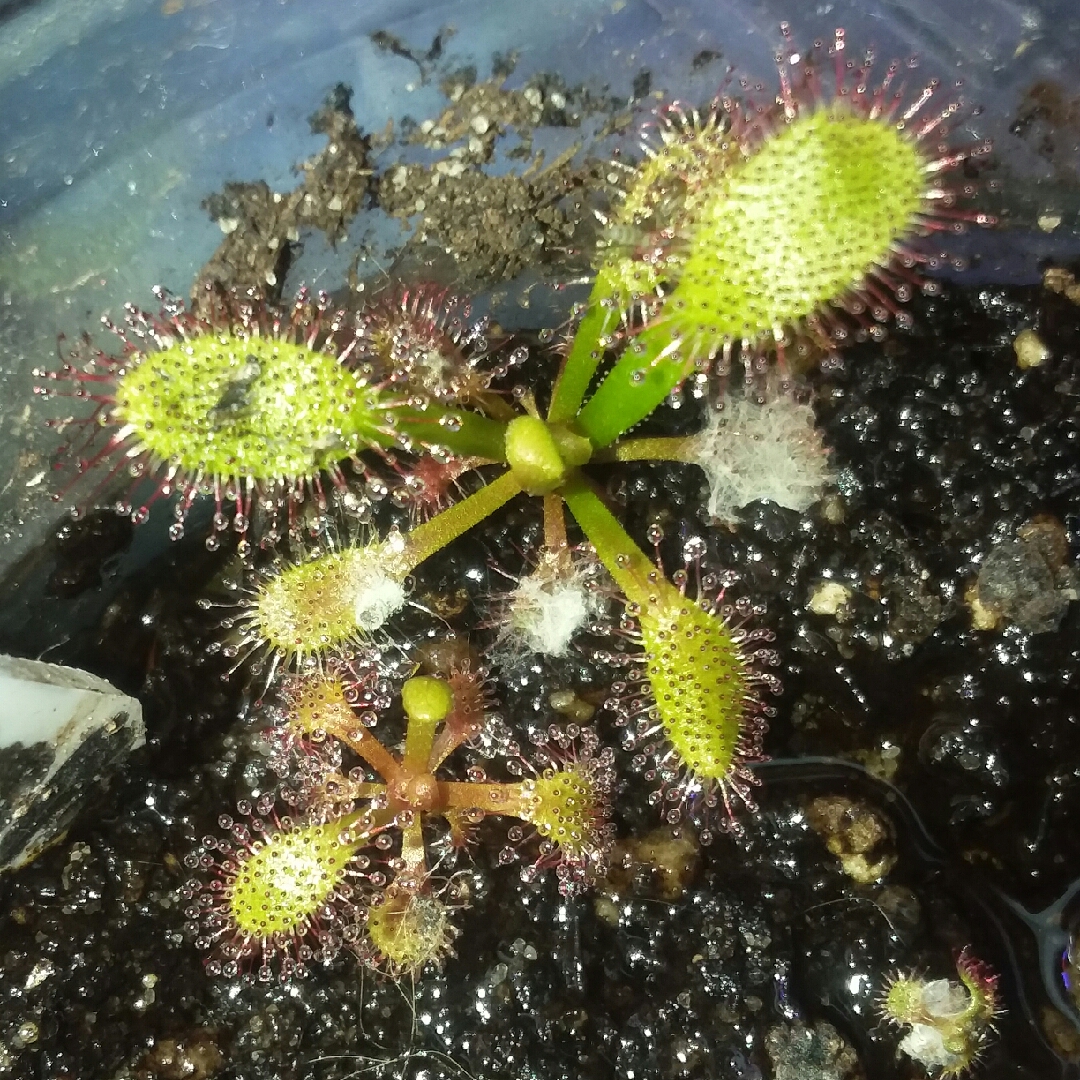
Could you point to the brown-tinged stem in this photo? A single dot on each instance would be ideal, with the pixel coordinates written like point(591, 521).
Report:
point(489, 798)
point(365, 745)
point(452, 735)
point(412, 848)
point(363, 790)
point(554, 524)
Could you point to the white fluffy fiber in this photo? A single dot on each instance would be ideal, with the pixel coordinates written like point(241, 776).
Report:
point(769, 452)
point(376, 594)
point(547, 609)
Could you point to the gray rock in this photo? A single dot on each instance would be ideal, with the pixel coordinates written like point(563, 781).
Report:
point(1024, 584)
point(801, 1052)
point(62, 732)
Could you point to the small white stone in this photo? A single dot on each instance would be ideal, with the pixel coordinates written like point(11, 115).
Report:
point(926, 1045)
point(41, 971)
point(945, 999)
point(1031, 351)
point(828, 598)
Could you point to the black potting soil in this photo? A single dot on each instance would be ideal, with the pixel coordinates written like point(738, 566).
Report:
point(922, 796)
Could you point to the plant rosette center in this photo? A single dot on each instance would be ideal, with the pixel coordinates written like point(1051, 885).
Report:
point(416, 792)
point(542, 455)
point(232, 405)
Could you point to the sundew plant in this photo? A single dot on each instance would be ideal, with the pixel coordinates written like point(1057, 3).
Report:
point(748, 240)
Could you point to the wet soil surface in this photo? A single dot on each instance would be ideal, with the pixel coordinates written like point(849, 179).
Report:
point(922, 797)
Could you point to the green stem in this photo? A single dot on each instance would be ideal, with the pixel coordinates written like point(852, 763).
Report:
point(423, 541)
point(586, 352)
point(426, 702)
point(649, 369)
point(660, 449)
point(634, 572)
point(460, 431)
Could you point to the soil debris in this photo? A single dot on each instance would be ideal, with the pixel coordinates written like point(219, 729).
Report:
point(262, 227)
point(1026, 580)
point(799, 1052)
point(856, 834)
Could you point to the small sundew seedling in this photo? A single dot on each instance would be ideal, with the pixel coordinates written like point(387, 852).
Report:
point(279, 893)
point(274, 885)
point(949, 1023)
point(748, 230)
